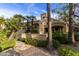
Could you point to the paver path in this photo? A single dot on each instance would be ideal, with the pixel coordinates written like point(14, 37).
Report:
point(22, 49)
point(28, 50)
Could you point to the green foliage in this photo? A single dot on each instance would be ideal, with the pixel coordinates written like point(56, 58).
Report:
point(41, 43)
point(2, 20)
point(3, 36)
point(35, 42)
point(30, 41)
point(34, 30)
point(56, 44)
point(61, 37)
point(66, 51)
point(76, 34)
point(7, 44)
point(14, 23)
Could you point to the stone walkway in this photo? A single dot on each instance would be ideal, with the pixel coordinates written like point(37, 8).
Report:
point(28, 50)
point(22, 49)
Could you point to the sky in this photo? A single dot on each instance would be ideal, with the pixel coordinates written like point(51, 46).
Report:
point(9, 9)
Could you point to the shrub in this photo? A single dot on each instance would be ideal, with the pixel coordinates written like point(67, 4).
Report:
point(30, 41)
point(76, 36)
point(56, 43)
point(7, 44)
point(35, 42)
point(34, 30)
point(66, 51)
point(61, 37)
point(41, 43)
point(21, 39)
point(3, 37)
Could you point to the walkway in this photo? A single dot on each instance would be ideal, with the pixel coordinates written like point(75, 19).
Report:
point(22, 49)
point(28, 50)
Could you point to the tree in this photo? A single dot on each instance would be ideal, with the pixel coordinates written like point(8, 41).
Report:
point(33, 18)
point(49, 46)
point(2, 20)
point(20, 17)
point(14, 23)
point(71, 27)
point(28, 25)
point(2, 23)
point(63, 13)
point(30, 22)
point(67, 15)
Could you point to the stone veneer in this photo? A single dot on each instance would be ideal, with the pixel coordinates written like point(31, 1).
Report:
point(43, 24)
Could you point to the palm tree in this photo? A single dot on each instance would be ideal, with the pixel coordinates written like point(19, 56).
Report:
point(49, 46)
point(28, 19)
point(33, 18)
point(71, 28)
point(30, 22)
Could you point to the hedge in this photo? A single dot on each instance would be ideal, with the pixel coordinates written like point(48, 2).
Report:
point(35, 42)
point(59, 36)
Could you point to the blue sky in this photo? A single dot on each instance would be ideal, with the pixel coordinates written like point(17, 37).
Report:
point(9, 9)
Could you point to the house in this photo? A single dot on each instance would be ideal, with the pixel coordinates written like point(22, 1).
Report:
point(57, 25)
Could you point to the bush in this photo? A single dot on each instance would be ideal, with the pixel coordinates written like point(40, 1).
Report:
point(76, 36)
point(30, 41)
point(34, 31)
point(7, 44)
point(3, 37)
point(56, 43)
point(66, 51)
point(35, 42)
point(41, 43)
point(61, 37)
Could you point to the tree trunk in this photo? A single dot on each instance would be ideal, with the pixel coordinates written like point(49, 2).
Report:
point(32, 24)
point(27, 26)
point(49, 46)
point(71, 28)
point(32, 21)
point(12, 35)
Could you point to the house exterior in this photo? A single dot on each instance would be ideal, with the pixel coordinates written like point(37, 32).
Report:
point(57, 25)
